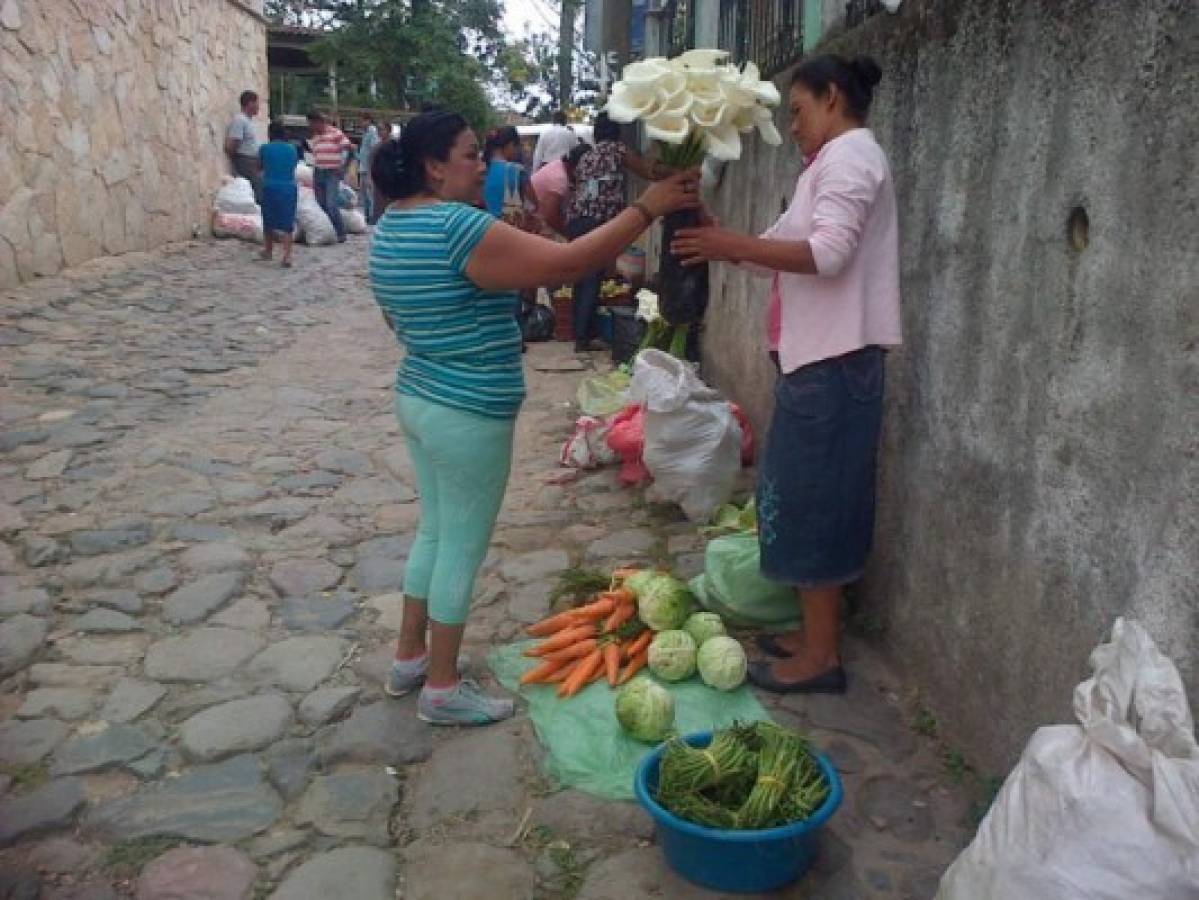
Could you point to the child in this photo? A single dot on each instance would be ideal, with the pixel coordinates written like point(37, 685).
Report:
point(279, 160)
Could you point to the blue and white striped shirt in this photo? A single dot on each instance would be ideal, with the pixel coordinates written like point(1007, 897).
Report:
point(463, 343)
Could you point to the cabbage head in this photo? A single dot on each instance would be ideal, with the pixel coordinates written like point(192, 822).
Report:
point(645, 710)
point(704, 625)
point(663, 602)
point(672, 655)
point(721, 663)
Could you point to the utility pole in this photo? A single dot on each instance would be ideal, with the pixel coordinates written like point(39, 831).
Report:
point(566, 46)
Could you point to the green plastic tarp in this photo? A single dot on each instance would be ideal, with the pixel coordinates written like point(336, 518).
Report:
point(586, 748)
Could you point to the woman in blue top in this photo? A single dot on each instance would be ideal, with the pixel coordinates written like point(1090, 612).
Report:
point(505, 177)
point(445, 274)
point(278, 160)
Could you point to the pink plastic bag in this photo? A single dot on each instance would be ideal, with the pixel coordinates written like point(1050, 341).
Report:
point(747, 436)
point(627, 438)
point(587, 447)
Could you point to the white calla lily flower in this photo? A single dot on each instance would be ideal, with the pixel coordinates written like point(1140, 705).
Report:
point(671, 84)
point(707, 113)
point(703, 58)
point(766, 128)
point(724, 143)
point(670, 129)
point(645, 71)
point(628, 103)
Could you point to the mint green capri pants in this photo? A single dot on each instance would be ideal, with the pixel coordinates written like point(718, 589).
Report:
point(462, 461)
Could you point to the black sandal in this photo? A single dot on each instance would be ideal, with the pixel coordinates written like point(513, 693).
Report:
point(833, 681)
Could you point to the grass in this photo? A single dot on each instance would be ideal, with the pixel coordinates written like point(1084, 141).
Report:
point(955, 764)
point(126, 859)
point(988, 787)
point(579, 584)
point(27, 777)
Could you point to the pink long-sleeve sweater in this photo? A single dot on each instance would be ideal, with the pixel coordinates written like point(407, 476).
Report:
point(844, 205)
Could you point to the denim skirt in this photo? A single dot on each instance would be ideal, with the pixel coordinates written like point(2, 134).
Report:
point(816, 487)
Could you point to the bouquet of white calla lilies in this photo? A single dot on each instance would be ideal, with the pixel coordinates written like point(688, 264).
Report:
point(696, 103)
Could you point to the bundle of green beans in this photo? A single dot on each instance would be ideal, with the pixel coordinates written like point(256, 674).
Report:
point(749, 776)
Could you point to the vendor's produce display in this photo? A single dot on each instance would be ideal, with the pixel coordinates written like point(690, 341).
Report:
point(749, 777)
point(704, 625)
point(663, 602)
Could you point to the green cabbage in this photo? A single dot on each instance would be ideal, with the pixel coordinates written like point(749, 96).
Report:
point(702, 626)
point(645, 710)
point(663, 602)
point(721, 663)
point(672, 655)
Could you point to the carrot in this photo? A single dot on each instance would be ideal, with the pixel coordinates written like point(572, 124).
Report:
point(574, 651)
point(553, 624)
point(623, 595)
point(541, 673)
point(596, 610)
point(612, 662)
point(563, 673)
point(639, 643)
point(582, 673)
point(620, 615)
point(563, 639)
point(636, 663)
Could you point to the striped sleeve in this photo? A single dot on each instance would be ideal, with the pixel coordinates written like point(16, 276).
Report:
point(464, 228)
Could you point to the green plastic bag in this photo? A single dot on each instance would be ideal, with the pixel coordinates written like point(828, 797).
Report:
point(585, 747)
point(604, 395)
point(733, 586)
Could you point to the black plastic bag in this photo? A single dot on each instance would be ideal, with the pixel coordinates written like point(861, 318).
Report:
point(537, 323)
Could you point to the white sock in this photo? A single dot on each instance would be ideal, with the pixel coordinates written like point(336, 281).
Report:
point(411, 666)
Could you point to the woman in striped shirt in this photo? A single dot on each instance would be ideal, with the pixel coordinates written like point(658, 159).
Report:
point(445, 274)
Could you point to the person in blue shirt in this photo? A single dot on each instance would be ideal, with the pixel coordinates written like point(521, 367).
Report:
point(278, 158)
point(507, 179)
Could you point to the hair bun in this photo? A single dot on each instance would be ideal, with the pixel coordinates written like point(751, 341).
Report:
point(867, 70)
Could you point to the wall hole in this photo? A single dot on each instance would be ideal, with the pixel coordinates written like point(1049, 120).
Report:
point(1078, 229)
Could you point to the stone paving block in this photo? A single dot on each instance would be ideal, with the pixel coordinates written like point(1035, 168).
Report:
point(197, 600)
point(318, 614)
point(20, 639)
point(460, 871)
point(46, 808)
point(57, 703)
point(297, 664)
point(361, 873)
point(222, 803)
point(198, 873)
point(202, 655)
point(247, 613)
point(115, 746)
point(478, 772)
point(302, 577)
point(351, 805)
point(105, 621)
point(536, 565)
point(385, 733)
point(33, 602)
point(121, 650)
point(210, 558)
point(26, 743)
point(325, 704)
point(130, 699)
point(235, 727)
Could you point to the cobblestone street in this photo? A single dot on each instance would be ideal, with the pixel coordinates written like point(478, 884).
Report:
point(205, 509)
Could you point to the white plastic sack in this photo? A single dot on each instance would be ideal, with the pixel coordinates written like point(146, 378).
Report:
point(304, 174)
point(236, 195)
point(588, 447)
point(237, 225)
point(1107, 809)
point(314, 225)
point(692, 439)
point(354, 220)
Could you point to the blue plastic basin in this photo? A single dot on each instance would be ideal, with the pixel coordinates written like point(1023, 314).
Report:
point(736, 861)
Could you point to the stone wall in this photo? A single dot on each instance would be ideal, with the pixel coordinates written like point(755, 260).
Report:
point(1039, 467)
point(113, 115)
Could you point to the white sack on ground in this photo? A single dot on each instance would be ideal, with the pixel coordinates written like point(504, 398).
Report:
point(1107, 809)
point(236, 195)
point(692, 439)
point(311, 220)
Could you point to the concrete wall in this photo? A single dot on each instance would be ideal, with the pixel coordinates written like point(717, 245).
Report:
point(112, 117)
point(1039, 468)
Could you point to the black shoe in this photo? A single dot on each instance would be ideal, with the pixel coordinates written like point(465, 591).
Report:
point(769, 644)
point(831, 682)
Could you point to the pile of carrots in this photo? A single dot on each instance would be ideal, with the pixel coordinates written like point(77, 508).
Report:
point(601, 639)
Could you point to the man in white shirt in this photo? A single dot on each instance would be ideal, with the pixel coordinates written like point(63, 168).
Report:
point(555, 143)
point(241, 143)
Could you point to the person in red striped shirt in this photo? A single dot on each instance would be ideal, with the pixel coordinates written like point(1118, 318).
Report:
point(329, 145)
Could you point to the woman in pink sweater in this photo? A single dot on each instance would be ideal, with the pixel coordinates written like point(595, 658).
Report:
point(834, 259)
